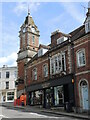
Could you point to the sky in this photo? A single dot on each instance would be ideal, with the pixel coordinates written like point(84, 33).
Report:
point(48, 16)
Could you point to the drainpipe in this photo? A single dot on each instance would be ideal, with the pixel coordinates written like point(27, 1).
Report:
point(25, 78)
point(74, 71)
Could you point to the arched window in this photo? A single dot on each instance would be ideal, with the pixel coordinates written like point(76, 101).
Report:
point(83, 83)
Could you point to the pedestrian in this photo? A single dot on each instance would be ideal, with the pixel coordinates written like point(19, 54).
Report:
point(22, 99)
point(25, 99)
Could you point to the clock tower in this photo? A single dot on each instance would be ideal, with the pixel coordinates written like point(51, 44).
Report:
point(29, 43)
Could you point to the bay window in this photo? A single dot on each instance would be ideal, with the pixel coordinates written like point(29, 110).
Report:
point(58, 63)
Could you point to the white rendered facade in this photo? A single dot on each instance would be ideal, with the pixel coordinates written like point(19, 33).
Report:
point(8, 76)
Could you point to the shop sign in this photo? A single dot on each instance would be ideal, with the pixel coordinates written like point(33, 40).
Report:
point(45, 85)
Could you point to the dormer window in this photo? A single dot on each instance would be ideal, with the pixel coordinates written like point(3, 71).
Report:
point(87, 21)
point(61, 40)
point(41, 52)
point(87, 26)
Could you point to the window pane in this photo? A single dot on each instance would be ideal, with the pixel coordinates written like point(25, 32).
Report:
point(7, 74)
point(45, 70)
point(59, 62)
point(58, 95)
point(10, 96)
point(56, 63)
point(63, 63)
point(81, 58)
point(7, 85)
point(35, 74)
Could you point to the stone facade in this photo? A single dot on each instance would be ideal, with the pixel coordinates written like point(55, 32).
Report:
point(8, 90)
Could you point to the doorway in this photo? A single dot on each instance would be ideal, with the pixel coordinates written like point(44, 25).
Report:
point(84, 95)
point(48, 98)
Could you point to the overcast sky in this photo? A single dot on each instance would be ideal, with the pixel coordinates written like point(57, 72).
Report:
point(48, 16)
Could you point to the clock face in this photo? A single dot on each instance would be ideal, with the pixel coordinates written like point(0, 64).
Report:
point(33, 29)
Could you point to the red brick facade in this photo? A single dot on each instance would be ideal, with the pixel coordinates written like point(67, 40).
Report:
point(68, 76)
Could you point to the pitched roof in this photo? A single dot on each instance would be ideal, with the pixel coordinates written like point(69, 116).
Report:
point(77, 33)
point(44, 46)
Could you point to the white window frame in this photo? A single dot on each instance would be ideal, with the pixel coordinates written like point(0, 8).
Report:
point(7, 85)
point(45, 70)
point(8, 74)
point(61, 40)
point(40, 52)
point(34, 74)
point(53, 62)
point(10, 95)
point(78, 58)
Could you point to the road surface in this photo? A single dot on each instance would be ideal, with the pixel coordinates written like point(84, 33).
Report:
point(7, 113)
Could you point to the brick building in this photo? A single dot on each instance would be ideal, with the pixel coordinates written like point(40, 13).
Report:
point(58, 73)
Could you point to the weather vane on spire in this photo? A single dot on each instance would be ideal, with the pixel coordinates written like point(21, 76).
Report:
point(28, 10)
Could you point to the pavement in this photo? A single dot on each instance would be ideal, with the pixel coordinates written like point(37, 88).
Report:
point(28, 108)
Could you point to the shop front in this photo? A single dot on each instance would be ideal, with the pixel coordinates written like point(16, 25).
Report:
point(52, 93)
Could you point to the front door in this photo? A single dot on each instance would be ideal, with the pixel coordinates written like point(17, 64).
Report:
point(48, 98)
point(85, 96)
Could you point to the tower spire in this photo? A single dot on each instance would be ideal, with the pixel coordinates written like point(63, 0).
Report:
point(28, 10)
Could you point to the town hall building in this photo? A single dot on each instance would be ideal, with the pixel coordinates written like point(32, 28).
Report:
point(55, 74)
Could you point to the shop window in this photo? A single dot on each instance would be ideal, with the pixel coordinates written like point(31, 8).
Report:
point(81, 58)
point(7, 85)
point(7, 74)
point(36, 97)
point(35, 74)
point(58, 95)
point(10, 96)
point(32, 97)
point(45, 70)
